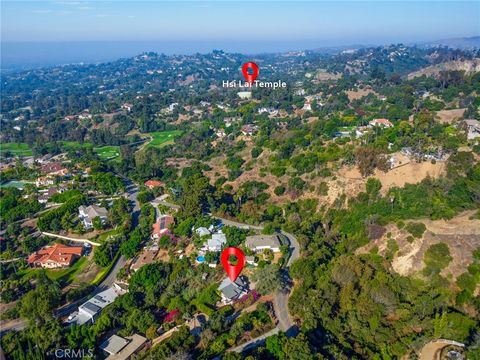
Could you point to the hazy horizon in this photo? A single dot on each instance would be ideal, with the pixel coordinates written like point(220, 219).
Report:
point(40, 33)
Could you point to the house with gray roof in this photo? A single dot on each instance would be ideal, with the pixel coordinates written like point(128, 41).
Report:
point(473, 128)
point(91, 309)
point(231, 291)
point(88, 213)
point(120, 348)
point(261, 242)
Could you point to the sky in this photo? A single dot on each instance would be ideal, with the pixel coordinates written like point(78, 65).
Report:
point(243, 26)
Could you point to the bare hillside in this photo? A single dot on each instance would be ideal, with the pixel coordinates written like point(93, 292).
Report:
point(469, 66)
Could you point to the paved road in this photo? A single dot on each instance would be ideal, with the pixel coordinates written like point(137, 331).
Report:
point(280, 298)
point(131, 193)
point(69, 238)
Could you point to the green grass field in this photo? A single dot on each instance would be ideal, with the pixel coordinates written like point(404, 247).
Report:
point(107, 152)
point(65, 275)
point(16, 149)
point(104, 152)
point(162, 138)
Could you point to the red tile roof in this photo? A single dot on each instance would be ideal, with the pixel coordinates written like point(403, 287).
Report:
point(162, 224)
point(52, 167)
point(154, 183)
point(58, 253)
point(384, 122)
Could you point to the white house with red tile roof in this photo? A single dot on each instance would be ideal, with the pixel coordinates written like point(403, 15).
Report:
point(55, 256)
point(151, 184)
point(380, 122)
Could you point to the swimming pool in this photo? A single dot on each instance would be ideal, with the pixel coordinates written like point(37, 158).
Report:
point(200, 259)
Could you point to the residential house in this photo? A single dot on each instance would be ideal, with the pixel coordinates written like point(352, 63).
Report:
point(472, 128)
point(45, 195)
point(127, 106)
point(230, 291)
point(162, 226)
point(70, 117)
point(202, 231)
point(262, 242)
point(55, 256)
point(230, 120)
point(44, 181)
point(385, 123)
point(85, 116)
point(221, 133)
point(216, 242)
point(244, 95)
point(152, 184)
point(172, 106)
point(88, 213)
point(269, 111)
point(51, 167)
point(307, 106)
point(147, 256)
point(89, 311)
point(249, 129)
point(120, 348)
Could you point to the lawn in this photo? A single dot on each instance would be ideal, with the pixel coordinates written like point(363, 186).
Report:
point(68, 275)
point(65, 275)
point(105, 235)
point(162, 138)
point(16, 149)
point(107, 152)
point(104, 152)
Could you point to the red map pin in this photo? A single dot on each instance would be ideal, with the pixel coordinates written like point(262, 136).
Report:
point(250, 71)
point(232, 270)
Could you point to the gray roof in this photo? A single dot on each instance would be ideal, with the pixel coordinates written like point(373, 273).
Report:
point(135, 342)
point(232, 290)
point(114, 344)
point(95, 305)
point(93, 211)
point(92, 309)
point(217, 240)
point(254, 241)
point(472, 122)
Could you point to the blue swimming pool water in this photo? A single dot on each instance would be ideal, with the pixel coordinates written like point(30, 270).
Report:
point(201, 259)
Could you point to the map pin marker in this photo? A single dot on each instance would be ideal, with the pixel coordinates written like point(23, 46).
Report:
point(250, 71)
point(233, 270)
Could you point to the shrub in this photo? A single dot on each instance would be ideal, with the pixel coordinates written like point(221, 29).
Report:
point(437, 257)
point(416, 229)
point(323, 188)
